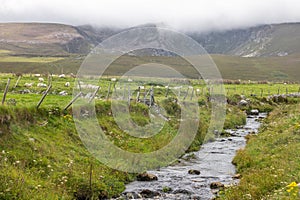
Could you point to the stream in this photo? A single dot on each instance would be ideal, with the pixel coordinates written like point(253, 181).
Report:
point(213, 161)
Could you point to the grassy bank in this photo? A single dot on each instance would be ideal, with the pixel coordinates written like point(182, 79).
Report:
point(270, 161)
point(42, 156)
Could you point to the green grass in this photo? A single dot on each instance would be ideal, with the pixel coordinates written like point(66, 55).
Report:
point(19, 59)
point(231, 67)
point(4, 52)
point(263, 68)
point(43, 158)
point(271, 159)
point(46, 158)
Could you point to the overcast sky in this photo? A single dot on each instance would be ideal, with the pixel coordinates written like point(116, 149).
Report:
point(183, 15)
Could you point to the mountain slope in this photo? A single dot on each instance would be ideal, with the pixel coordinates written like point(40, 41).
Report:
point(259, 41)
point(58, 39)
point(42, 39)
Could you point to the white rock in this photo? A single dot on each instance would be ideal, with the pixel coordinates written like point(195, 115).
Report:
point(254, 112)
point(67, 84)
point(41, 80)
point(243, 102)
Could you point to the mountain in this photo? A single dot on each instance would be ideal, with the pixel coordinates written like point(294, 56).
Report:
point(259, 41)
point(265, 52)
point(58, 39)
point(47, 39)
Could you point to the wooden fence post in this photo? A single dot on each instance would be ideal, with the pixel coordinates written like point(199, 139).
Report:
point(79, 85)
point(138, 95)
point(94, 94)
point(192, 94)
point(129, 94)
point(124, 90)
point(151, 97)
point(73, 100)
point(43, 97)
point(49, 79)
point(145, 96)
point(187, 92)
point(108, 91)
point(167, 93)
point(16, 85)
point(5, 91)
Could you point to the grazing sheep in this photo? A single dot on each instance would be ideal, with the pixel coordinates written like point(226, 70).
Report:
point(177, 87)
point(41, 80)
point(89, 86)
point(67, 84)
point(28, 84)
point(41, 85)
point(63, 93)
point(37, 75)
point(62, 76)
point(113, 79)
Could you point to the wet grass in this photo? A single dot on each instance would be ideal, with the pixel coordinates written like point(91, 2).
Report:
point(43, 157)
point(270, 161)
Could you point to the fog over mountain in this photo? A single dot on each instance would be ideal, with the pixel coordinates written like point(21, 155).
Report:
point(189, 15)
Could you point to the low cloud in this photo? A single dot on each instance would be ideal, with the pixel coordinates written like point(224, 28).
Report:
point(189, 15)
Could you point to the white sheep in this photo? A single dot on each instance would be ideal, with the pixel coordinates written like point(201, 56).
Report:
point(37, 75)
point(28, 84)
point(41, 80)
point(41, 85)
point(89, 86)
point(67, 84)
point(63, 93)
point(62, 76)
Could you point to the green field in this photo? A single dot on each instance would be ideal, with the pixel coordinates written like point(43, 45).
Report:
point(42, 156)
point(269, 164)
point(279, 69)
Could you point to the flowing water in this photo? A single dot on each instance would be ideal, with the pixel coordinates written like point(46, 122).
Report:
point(213, 160)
